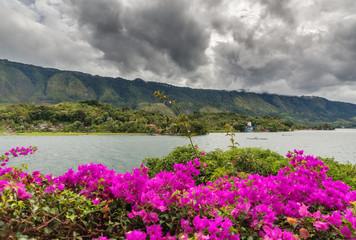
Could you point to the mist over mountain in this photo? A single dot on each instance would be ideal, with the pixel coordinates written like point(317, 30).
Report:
point(22, 83)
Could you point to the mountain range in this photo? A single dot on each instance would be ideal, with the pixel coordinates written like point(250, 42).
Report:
point(23, 83)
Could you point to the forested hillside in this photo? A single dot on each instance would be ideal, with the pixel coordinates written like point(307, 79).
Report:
point(22, 83)
point(91, 116)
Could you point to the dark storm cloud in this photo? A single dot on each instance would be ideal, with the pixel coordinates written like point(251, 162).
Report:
point(257, 54)
point(279, 9)
point(330, 59)
point(308, 47)
point(168, 27)
point(152, 37)
point(343, 49)
point(28, 2)
point(40, 33)
point(288, 47)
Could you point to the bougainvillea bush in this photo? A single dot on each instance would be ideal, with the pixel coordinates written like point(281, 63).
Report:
point(299, 202)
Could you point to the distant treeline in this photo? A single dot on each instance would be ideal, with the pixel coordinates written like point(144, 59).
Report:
point(92, 116)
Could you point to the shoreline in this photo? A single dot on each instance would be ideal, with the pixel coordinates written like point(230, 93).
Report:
point(145, 134)
point(65, 133)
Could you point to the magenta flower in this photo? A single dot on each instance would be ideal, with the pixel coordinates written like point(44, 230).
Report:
point(154, 231)
point(346, 232)
point(320, 225)
point(303, 211)
point(96, 201)
point(196, 162)
point(50, 189)
point(185, 226)
point(257, 199)
point(276, 233)
point(22, 194)
point(235, 237)
point(136, 235)
point(4, 184)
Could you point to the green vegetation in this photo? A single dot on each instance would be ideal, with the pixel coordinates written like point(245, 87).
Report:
point(27, 83)
point(242, 162)
point(221, 193)
point(92, 116)
point(97, 203)
point(340, 171)
point(207, 189)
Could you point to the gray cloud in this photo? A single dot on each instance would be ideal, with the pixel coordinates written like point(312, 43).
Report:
point(152, 38)
point(288, 47)
point(40, 34)
point(282, 46)
point(277, 9)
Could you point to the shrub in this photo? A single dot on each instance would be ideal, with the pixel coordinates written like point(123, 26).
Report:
point(299, 202)
point(342, 172)
point(246, 160)
point(220, 163)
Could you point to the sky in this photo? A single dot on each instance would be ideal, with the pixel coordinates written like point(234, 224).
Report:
point(288, 47)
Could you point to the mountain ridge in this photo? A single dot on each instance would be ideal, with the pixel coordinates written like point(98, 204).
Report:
point(20, 83)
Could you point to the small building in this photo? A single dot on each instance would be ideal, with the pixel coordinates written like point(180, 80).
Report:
point(251, 129)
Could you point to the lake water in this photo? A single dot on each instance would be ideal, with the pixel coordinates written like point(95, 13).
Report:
point(57, 154)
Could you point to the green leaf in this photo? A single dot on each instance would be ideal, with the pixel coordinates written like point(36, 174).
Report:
point(170, 225)
point(46, 209)
point(47, 230)
point(70, 216)
point(85, 223)
point(35, 208)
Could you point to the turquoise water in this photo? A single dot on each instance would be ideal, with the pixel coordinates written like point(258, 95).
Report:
point(57, 154)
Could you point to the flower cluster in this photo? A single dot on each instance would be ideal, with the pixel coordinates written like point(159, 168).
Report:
point(298, 201)
point(15, 152)
point(15, 181)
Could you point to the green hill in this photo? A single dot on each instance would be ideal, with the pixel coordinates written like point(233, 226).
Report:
point(21, 83)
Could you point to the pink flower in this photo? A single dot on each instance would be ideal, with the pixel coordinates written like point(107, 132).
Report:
point(136, 235)
point(235, 237)
point(144, 169)
point(196, 162)
point(96, 201)
point(303, 211)
point(202, 153)
point(317, 215)
point(154, 231)
point(185, 226)
point(321, 225)
point(346, 232)
point(22, 194)
point(4, 184)
point(50, 189)
point(276, 233)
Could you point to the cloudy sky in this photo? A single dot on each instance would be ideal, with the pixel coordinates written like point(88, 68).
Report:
point(289, 47)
